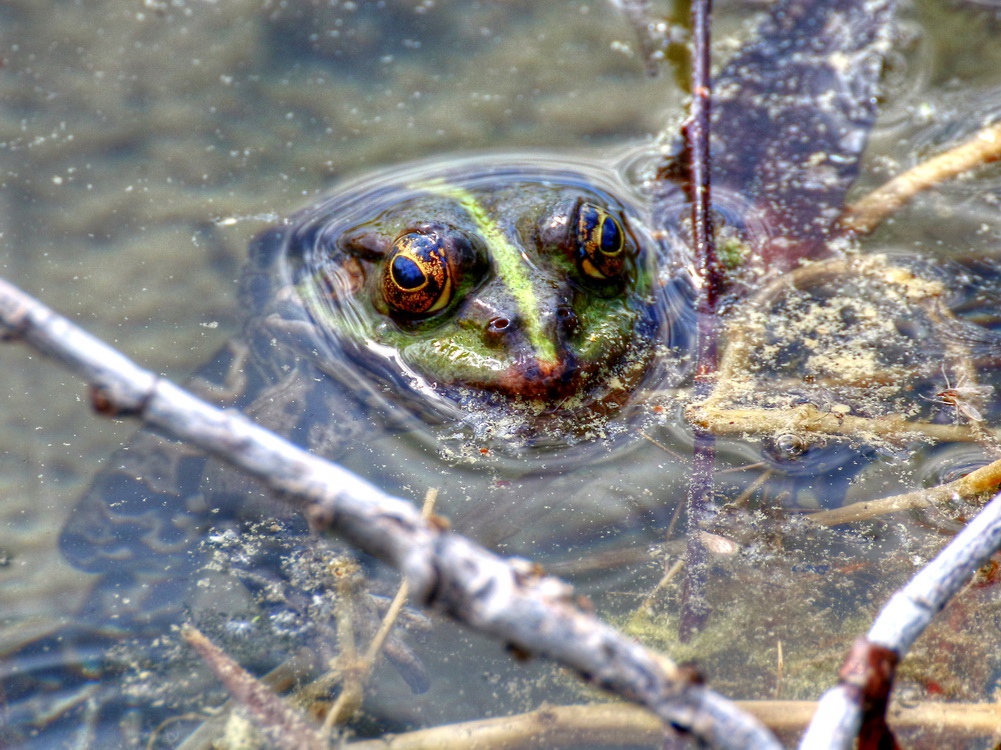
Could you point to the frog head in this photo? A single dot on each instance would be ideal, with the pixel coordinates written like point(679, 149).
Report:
point(521, 294)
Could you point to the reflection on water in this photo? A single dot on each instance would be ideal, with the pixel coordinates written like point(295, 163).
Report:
point(145, 145)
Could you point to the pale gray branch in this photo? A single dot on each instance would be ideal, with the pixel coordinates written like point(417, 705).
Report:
point(905, 617)
point(503, 598)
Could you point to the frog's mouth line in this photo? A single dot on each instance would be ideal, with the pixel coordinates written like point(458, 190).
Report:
point(530, 377)
point(534, 378)
point(533, 386)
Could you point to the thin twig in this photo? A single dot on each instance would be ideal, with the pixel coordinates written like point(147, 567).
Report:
point(617, 725)
point(284, 726)
point(869, 671)
point(350, 698)
point(277, 681)
point(506, 599)
point(647, 604)
point(869, 212)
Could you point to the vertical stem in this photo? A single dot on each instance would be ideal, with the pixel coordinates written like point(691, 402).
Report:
point(695, 608)
point(697, 139)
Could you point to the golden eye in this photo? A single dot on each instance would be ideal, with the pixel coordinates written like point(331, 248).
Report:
point(601, 243)
point(417, 277)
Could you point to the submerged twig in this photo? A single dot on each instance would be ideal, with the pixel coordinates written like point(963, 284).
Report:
point(619, 725)
point(809, 419)
point(505, 599)
point(284, 726)
point(350, 698)
point(277, 681)
point(867, 675)
point(978, 482)
point(869, 212)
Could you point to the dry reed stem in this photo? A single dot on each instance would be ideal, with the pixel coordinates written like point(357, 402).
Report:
point(353, 690)
point(869, 212)
point(619, 724)
point(986, 479)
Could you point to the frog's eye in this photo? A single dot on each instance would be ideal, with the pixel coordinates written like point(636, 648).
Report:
point(601, 243)
point(417, 276)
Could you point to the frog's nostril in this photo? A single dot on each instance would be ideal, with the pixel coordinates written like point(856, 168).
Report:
point(566, 320)
point(498, 329)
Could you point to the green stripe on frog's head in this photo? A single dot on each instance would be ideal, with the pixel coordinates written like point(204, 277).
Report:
point(529, 288)
point(509, 264)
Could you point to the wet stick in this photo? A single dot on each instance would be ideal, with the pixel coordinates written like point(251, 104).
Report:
point(284, 726)
point(981, 481)
point(872, 210)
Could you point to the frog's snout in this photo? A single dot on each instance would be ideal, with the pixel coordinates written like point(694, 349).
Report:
point(537, 371)
point(558, 327)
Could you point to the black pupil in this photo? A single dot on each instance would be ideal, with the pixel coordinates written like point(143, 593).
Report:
point(610, 239)
point(406, 273)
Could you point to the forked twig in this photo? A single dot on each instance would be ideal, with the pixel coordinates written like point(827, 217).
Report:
point(350, 698)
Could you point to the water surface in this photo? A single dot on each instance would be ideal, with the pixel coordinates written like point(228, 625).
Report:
point(143, 145)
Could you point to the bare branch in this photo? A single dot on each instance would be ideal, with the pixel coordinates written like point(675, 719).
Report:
point(615, 724)
point(507, 599)
point(842, 709)
point(869, 212)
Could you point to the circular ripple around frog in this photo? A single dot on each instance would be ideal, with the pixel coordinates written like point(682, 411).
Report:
point(527, 299)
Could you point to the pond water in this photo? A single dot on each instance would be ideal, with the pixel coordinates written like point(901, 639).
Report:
point(144, 145)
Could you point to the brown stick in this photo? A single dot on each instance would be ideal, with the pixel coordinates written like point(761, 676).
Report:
point(869, 212)
point(983, 480)
point(284, 726)
point(620, 724)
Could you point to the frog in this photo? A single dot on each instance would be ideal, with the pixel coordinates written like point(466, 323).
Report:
point(485, 322)
point(525, 301)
